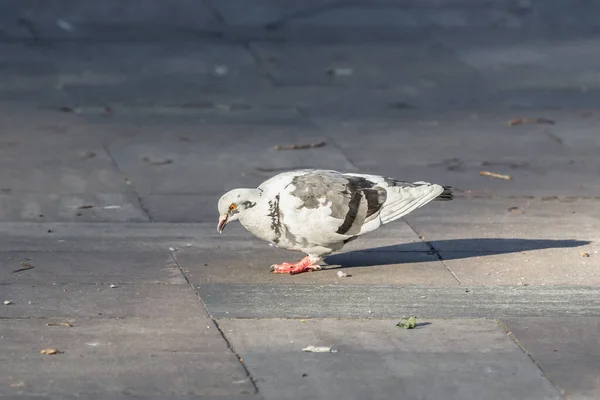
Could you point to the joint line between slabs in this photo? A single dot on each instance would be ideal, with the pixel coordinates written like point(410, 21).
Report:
point(435, 251)
point(219, 329)
point(132, 188)
point(517, 342)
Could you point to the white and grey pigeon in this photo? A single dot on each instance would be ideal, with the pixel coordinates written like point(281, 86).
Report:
point(318, 211)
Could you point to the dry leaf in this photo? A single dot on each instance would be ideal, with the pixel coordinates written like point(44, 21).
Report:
point(25, 267)
point(49, 351)
point(584, 254)
point(521, 121)
point(61, 324)
point(299, 146)
point(493, 175)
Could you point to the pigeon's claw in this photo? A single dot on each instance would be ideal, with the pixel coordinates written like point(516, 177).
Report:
point(306, 264)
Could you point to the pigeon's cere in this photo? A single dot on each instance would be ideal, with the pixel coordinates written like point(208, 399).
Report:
point(318, 211)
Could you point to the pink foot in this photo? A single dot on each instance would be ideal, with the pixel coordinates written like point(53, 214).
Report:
point(306, 264)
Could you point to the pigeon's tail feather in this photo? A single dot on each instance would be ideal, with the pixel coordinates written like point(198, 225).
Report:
point(403, 199)
point(446, 195)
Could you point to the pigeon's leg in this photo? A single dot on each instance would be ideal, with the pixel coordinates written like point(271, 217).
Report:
point(308, 263)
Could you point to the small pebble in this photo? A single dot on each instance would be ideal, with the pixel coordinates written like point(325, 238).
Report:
point(113, 286)
point(171, 249)
point(7, 302)
point(221, 70)
point(341, 274)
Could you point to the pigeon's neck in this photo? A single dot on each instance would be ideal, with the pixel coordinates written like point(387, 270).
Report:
point(256, 210)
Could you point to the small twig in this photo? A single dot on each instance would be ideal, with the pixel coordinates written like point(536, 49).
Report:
point(299, 146)
point(157, 162)
point(521, 121)
point(61, 324)
point(493, 175)
point(85, 207)
point(50, 352)
point(24, 267)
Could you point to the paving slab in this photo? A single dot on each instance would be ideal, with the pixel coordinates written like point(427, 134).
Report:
point(252, 267)
point(72, 300)
point(566, 351)
point(394, 301)
point(216, 158)
point(85, 70)
point(426, 147)
point(484, 243)
point(111, 237)
point(519, 61)
point(130, 356)
point(32, 206)
point(380, 66)
point(394, 255)
point(113, 20)
point(453, 359)
point(91, 267)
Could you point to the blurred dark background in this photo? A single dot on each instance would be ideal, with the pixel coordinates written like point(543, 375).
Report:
point(155, 108)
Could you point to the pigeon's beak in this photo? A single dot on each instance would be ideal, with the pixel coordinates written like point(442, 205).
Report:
point(222, 223)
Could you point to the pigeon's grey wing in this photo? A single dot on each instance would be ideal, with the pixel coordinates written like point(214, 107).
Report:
point(405, 197)
point(352, 200)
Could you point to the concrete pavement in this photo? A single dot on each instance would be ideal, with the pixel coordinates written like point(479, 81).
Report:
point(122, 124)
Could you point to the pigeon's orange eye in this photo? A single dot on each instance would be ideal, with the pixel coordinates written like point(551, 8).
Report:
point(232, 207)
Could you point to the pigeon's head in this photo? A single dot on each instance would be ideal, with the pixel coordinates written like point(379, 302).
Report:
point(233, 204)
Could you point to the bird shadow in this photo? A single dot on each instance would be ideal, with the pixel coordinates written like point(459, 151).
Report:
point(453, 249)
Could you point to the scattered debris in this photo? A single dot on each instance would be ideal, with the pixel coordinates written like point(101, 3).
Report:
point(521, 283)
point(6, 190)
point(341, 274)
point(339, 71)
point(61, 324)
point(304, 375)
point(514, 210)
point(78, 213)
point(319, 349)
point(24, 267)
point(112, 286)
point(8, 302)
point(221, 70)
point(111, 207)
point(50, 231)
point(85, 207)
point(493, 175)
point(127, 181)
point(65, 25)
point(299, 146)
point(222, 107)
point(87, 155)
point(17, 384)
point(166, 161)
point(409, 323)
point(584, 254)
point(50, 352)
point(521, 121)
point(74, 110)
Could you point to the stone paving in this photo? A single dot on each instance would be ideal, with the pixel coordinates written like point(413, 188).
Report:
point(122, 124)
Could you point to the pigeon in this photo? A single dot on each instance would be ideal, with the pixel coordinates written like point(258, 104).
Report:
point(318, 211)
